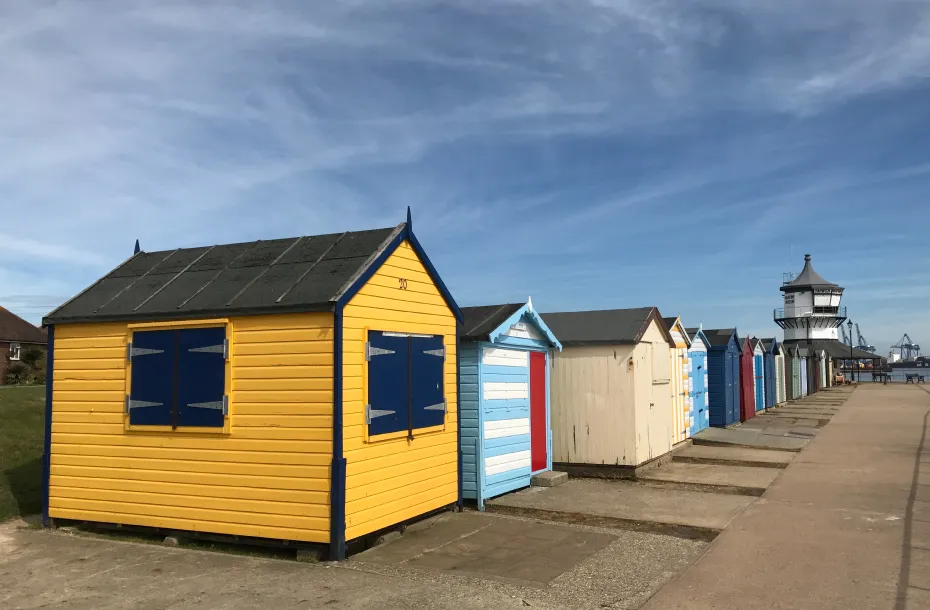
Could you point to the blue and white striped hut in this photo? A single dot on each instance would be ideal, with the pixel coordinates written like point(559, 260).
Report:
point(505, 436)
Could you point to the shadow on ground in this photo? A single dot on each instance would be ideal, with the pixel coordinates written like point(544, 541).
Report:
point(24, 483)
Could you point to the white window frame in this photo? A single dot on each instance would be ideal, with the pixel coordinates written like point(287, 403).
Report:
point(16, 351)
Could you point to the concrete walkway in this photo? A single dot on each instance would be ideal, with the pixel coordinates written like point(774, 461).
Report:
point(846, 525)
point(753, 438)
point(734, 456)
point(627, 505)
point(746, 480)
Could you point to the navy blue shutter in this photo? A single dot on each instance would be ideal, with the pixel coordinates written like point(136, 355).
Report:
point(388, 372)
point(152, 390)
point(201, 377)
point(428, 401)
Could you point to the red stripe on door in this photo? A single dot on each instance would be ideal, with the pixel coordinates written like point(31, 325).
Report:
point(539, 433)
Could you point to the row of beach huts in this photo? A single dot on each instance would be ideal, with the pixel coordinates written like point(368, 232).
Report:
point(324, 388)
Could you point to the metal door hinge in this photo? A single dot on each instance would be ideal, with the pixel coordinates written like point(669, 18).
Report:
point(221, 348)
point(437, 407)
point(140, 404)
point(441, 352)
point(375, 351)
point(132, 352)
point(371, 414)
point(218, 405)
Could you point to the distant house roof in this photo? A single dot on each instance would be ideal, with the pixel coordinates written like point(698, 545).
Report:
point(719, 336)
point(606, 327)
point(298, 274)
point(481, 320)
point(808, 278)
point(14, 329)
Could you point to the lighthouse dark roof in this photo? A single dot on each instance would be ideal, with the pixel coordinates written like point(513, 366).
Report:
point(808, 278)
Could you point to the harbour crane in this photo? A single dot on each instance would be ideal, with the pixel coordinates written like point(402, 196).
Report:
point(863, 344)
point(907, 348)
point(846, 338)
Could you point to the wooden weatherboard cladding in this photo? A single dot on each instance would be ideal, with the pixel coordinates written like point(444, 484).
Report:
point(390, 477)
point(268, 476)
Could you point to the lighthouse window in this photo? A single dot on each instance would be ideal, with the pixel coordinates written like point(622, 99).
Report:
point(829, 310)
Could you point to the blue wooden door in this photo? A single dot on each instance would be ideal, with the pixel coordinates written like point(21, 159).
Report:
point(388, 379)
point(803, 376)
point(201, 355)
point(506, 453)
point(151, 393)
point(734, 387)
point(428, 400)
point(698, 392)
point(771, 389)
point(758, 369)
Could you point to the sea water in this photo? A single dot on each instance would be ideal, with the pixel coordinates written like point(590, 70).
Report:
point(895, 374)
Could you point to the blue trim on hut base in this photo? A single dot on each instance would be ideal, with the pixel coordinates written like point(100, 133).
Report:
point(458, 409)
point(47, 451)
point(337, 481)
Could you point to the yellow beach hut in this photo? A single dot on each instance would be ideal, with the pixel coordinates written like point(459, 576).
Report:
point(300, 389)
point(680, 385)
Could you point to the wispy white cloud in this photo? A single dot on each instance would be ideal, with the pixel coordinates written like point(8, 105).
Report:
point(23, 248)
point(571, 123)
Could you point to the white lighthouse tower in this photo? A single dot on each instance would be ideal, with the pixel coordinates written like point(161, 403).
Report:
point(812, 307)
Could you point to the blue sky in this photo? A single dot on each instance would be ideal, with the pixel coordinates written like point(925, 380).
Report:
point(592, 153)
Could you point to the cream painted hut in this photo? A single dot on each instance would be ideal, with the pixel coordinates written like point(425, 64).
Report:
point(610, 390)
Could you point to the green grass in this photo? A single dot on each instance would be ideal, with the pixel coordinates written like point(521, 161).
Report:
point(22, 433)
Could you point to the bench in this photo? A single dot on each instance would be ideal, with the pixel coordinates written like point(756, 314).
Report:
point(914, 378)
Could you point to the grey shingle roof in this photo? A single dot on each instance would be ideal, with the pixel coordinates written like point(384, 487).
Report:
point(276, 276)
point(603, 327)
point(481, 320)
point(718, 336)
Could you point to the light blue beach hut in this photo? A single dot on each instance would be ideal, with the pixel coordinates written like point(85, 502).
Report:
point(505, 435)
point(698, 380)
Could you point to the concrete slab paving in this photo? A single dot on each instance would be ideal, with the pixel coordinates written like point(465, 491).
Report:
point(42, 569)
point(528, 552)
point(747, 437)
point(735, 455)
point(752, 480)
point(627, 505)
point(842, 527)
